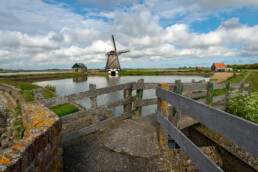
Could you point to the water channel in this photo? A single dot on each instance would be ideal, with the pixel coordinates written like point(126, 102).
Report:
point(75, 85)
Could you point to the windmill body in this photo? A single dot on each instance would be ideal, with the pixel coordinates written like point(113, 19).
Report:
point(113, 65)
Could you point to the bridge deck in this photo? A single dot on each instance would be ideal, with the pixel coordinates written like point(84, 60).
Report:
point(127, 145)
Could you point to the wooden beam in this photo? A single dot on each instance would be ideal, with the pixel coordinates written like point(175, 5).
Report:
point(238, 130)
point(68, 137)
point(201, 160)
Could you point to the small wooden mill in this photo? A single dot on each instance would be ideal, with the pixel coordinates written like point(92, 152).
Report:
point(113, 65)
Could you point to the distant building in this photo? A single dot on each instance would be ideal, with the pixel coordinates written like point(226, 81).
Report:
point(218, 67)
point(79, 68)
point(199, 68)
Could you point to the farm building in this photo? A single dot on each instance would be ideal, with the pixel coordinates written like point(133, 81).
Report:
point(199, 68)
point(218, 67)
point(79, 68)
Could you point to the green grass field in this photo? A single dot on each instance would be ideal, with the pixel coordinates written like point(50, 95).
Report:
point(236, 78)
point(253, 77)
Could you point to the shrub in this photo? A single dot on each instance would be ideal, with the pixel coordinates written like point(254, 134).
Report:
point(244, 106)
point(51, 87)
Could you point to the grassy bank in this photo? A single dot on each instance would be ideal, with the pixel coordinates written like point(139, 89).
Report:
point(154, 72)
point(45, 76)
point(236, 78)
point(253, 77)
point(27, 89)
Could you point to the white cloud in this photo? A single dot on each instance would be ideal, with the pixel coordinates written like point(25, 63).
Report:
point(47, 34)
point(223, 3)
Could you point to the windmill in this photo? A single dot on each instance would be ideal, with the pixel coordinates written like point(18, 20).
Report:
point(113, 65)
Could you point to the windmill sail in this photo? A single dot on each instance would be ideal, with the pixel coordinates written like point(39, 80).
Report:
point(114, 44)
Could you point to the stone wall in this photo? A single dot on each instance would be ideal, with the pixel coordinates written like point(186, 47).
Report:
point(13, 91)
point(41, 147)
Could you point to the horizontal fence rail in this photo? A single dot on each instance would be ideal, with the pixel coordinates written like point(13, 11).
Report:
point(68, 137)
point(202, 161)
point(238, 130)
point(187, 87)
point(84, 113)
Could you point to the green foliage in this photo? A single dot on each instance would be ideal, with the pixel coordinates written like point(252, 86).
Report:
point(51, 87)
point(244, 66)
point(64, 109)
point(49, 94)
point(219, 92)
point(21, 85)
point(244, 106)
point(27, 86)
point(27, 95)
point(236, 78)
point(17, 126)
point(253, 78)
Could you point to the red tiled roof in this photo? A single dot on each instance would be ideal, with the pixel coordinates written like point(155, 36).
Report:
point(219, 65)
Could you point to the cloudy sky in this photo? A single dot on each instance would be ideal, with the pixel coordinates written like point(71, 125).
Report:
point(43, 34)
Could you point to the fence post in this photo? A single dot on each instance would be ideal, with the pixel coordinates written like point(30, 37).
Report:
point(250, 88)
point(177, 114)
point(139, 95)
point(242, 86)
point(209, 95)
point(127, 94)
point(93, 103)
point(228, 87)
point(163, 108)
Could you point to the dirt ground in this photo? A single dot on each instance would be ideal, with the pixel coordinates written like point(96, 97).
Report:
point(219, 77)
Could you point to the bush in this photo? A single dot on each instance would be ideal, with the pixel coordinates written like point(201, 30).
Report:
point(51, 87)
point(244, 106)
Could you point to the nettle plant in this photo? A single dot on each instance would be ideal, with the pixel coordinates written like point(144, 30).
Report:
point(244, 106)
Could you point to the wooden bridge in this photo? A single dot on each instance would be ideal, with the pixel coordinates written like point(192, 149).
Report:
point(176, 110)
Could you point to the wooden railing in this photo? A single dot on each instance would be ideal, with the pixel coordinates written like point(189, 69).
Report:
point(235, 129)
point(132, 104)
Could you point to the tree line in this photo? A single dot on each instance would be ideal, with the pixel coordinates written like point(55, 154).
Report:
point(243, 66)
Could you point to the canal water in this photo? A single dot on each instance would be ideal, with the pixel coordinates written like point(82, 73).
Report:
point(75, 85)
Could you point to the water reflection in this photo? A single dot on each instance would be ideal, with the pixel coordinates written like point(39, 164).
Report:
point(81, 79)
point(69, 86)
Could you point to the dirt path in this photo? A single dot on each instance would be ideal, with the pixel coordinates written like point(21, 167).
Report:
point(219, 77)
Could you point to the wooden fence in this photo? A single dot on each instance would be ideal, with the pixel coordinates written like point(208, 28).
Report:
point(237, 130)
point(132, 104)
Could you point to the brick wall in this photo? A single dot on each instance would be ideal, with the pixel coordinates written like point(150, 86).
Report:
point(41, 147)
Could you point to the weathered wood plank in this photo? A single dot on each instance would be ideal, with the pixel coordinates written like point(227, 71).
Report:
point(238, 130)
point(145, 86)
point(85, 113)
point(145, 102)
point(86, 94)
point(99, 91)
point(201, 160)
point(127, 94)
point(219, 86)
point(219, 98)
point(194, 86)
point(139, 96)
point(95, 127)
point(196, 95)
point(54, 101)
